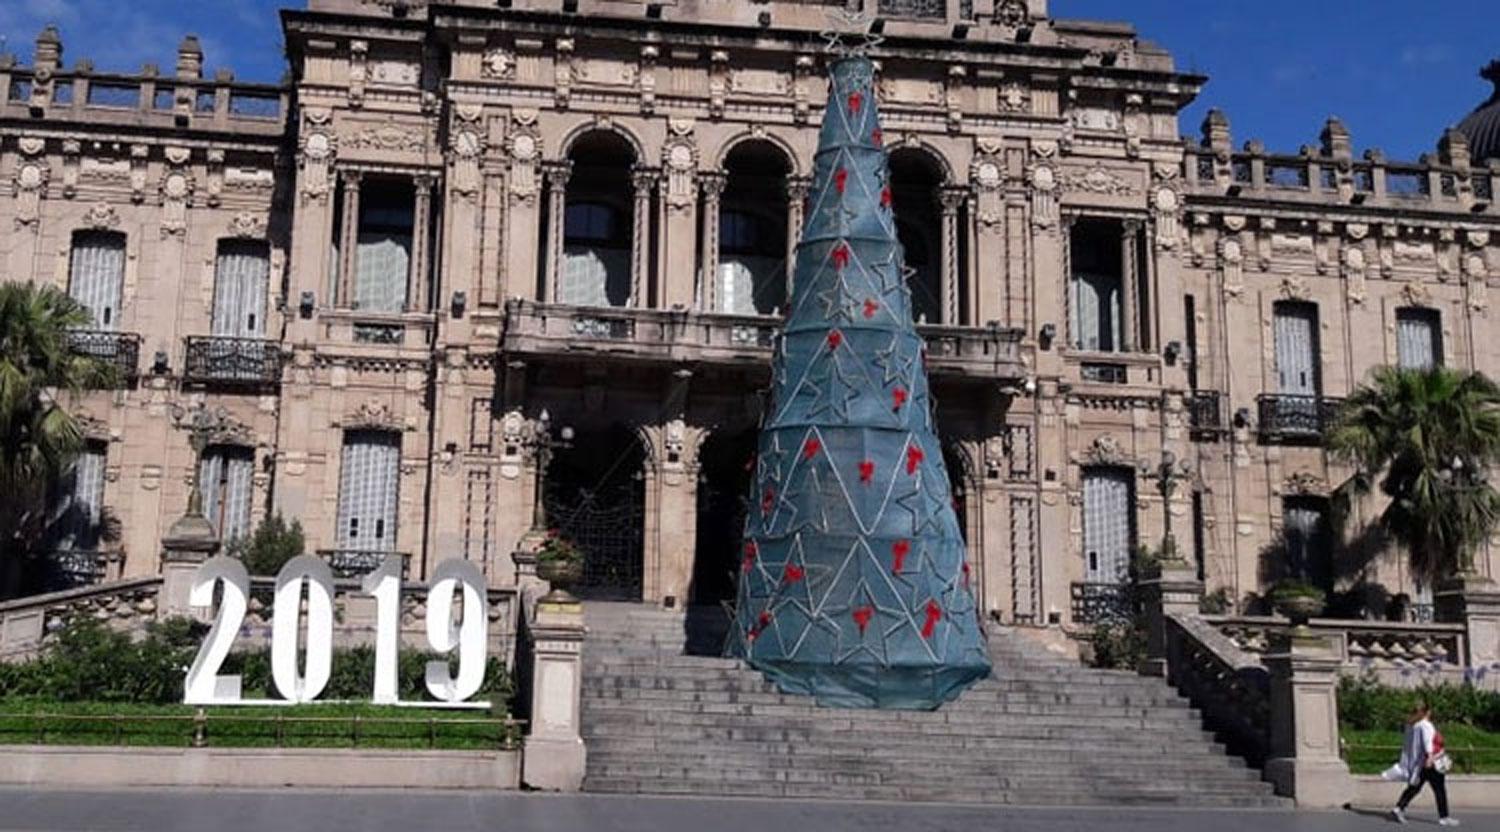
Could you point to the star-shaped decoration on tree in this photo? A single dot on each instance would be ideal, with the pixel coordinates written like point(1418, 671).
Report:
point(769, 462)
point(895, 366)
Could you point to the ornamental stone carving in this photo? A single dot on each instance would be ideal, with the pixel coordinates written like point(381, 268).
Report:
point(247, 224)
point(523, 145)
point(1043, 180)
point(373, 414)
point(498, 64)
point(1106, 450)
point(28, 186)
point(1416, 293)
point(176, 190)
point(389, 136)
point(1096, 180)
point(101, 215)
point(1304, 483)
point(679, 159)
point(318, 146)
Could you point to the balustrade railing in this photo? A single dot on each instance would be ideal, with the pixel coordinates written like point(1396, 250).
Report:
point(1228, 685)
point(1205, 413)
point(1102, 603)
point(1371, 644)
point(352, 563)
point(1302, 177)
point(232, 361)
point(120, 350)
point(1286, 418)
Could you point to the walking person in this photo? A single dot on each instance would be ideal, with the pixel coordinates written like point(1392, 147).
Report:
point(1423, 761)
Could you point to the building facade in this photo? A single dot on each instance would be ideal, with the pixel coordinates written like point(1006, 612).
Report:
point(459, 226)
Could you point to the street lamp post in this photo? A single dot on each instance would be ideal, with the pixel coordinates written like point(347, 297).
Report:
point(544, 444)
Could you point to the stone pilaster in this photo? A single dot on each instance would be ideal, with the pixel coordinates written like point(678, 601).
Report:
point(712, 187)
point(1473, 601)
point(556, 174)
point(1169, 588)
point(1304, 763)
point(555, 755)
point(644, 182)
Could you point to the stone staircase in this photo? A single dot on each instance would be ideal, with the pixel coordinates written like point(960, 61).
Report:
point(1045, 731)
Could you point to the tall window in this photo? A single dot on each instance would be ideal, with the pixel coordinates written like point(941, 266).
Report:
point(80, 501)
point(596, 256)
point(1108, 524)
point(224, 475)
point(1309, 541)
point(1419, 338)
point(1096, 286)
point(368, 490)
point(1298, 365)
point(382, 262)
point(96, 275)
point(240, 276)
point(752, 264)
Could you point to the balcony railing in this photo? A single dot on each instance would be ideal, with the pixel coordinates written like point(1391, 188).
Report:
point(250, 362)
point(1296, 418)
point(72, 568)
point(1205, 413)
point(120, 350)
point(352, 563)
point(913, 9)
point(679, 336)
point(1100, 603)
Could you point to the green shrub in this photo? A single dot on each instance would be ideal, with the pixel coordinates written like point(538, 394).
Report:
point(1367, 705)
point(89, 662)
point(1118, 645)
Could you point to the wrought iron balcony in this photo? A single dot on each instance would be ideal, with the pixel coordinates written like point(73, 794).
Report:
point(913, 9)
point(1101, 603)
point(1205, 413)
point(1295, 419)
point(352, 563)
point(246, 362)
point(680, 336)
point(72, 568)
point(120, 350)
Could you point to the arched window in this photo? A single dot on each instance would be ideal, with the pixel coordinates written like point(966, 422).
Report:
point(926, 304)
point(598, 223)
point(915, 179)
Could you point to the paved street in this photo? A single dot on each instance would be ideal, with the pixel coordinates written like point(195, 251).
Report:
point(235, 811)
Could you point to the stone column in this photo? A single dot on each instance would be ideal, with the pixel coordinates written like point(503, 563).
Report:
point(1130, 287)
point(188, 543)
point(1169, 588)
point(555, 756)
point(557, 174)
point(797, 189)
point(1304, 761)
point(348, 240)
point(712, 187)
point(1473, 601)
point(644, 181)
point(950, 199)
point(418, 296)
point(671, 519)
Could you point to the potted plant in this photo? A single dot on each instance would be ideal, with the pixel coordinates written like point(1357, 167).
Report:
point(559, 562)
point(1298, 600)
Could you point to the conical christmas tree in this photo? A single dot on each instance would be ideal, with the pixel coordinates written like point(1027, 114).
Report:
point(854, 587)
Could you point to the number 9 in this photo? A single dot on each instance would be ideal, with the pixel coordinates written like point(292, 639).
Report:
point(470, 637)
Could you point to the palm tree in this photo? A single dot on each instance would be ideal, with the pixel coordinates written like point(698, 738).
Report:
point(1428, 438)
point(39, 439)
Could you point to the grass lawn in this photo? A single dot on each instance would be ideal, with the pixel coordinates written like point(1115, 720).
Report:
point(356, 725)
point(1473, 751)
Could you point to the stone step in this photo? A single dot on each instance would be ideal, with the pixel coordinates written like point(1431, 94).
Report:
point(647, 743)
point(856, 770)
point(681, 725)
point(746, 692)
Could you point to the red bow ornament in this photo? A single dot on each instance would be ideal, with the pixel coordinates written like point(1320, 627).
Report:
point(834, 339)
point(898, 554)
point(866, 471)
point(862, 617)
point(855, 99)
point(840, 179)
point(914, 457)
point(934, 615)
point(793, 573)
point(811, 447)
point(751, 550)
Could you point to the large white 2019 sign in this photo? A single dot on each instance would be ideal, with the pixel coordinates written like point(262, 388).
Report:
point(302, 678)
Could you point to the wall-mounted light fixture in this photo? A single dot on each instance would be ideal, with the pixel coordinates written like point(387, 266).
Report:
point(460, 302)
point(1242, 417)
point(1046, 336)
point(1171, 351)
point(305, 303)
point(159, 363)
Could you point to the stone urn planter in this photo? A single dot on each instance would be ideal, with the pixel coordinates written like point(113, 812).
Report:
point(1298, 602)
point(560, 563)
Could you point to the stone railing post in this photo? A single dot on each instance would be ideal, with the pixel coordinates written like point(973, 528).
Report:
point(1168, 588)
point(1304, 762)
point(1473, 601)
point(188, 543)
point(554, 752)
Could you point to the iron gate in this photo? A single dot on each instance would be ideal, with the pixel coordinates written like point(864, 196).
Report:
point(607, 523)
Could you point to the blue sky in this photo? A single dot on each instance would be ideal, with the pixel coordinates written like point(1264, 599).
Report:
point(1396, 73)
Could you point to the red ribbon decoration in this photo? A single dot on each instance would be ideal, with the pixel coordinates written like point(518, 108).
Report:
point(855, 99)
point(877, 137)
point(871, 307)
point(885, 197)
point(862, 617)
point(761, 623)
point(793, 573)
point(899, 397)
point(840, 178)
point(934, 615)
point(834, 339)
point(751, 550)
point(898, 554)
point(811, 447)
point(841, 256)
point(767, 500)
point(914, 457)
point(866, 471)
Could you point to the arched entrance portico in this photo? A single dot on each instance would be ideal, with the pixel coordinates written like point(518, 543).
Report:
point(596, 497)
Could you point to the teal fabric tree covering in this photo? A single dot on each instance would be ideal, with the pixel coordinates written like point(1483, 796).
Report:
point(854, 587)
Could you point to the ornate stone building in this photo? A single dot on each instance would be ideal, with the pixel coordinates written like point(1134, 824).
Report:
point(459, 226)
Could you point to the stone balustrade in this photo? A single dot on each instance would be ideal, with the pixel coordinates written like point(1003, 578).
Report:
point(1377, 645)
point(683, 337)
point(1228, 684)
point(1318, 179)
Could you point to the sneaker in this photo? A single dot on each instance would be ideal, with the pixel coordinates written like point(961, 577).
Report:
point(1447, 821)
point(1397, 815)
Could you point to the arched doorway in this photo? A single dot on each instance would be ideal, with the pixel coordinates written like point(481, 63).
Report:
point(596, 497)
point(725, 461)
point(598, 223)
point(751, 278)
point(916, 178)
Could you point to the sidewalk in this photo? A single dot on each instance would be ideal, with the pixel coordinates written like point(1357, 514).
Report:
point(411, 811)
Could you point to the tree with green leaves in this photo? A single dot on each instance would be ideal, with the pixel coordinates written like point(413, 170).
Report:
point(270, 546)
point(1426, 439)
point(39, 374)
